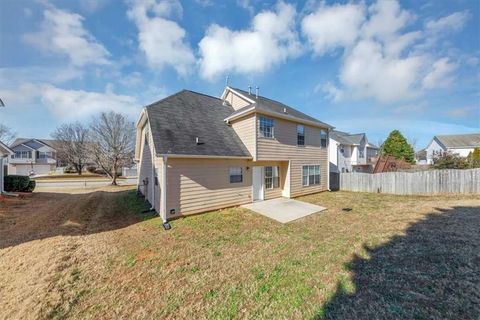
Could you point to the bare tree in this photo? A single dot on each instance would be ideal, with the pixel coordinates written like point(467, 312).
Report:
point(72, 145)
point(112, 145)
point(6, 134)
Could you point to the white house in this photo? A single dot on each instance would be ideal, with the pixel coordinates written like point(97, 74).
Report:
point(32, 157)
point(4, 153)
point(351, 152)
point(461, 144)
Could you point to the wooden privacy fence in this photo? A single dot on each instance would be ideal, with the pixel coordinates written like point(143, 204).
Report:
point(424, 182)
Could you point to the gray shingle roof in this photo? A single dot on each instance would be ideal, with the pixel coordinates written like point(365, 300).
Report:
point(177, 120)
point(460, 140)
point(48, 142)
point(347, 138)
point(262, 103)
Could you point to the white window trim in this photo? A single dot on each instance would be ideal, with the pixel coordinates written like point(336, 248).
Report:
point(230, 175)
point(272, 177)
point(260, 134)
point(308, 179)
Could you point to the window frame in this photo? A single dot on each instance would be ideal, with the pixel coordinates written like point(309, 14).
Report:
point(310, 179)
point(323, 138)
point(230, 174)
point(272, 178)
point(300, 135)
point(21, 153)
point(262, 124)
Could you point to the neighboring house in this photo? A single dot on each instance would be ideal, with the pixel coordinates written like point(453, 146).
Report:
point(351, 152)
point(198, 153)
point(461, 144)
point(5, 152)
point(421, 156)
point(32, 157)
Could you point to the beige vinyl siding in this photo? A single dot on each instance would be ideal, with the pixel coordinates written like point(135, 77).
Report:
point(235, 101)
point(199, 185)
point(158, 162)
point(245, 129)
point(284, 147)
point(145, 166)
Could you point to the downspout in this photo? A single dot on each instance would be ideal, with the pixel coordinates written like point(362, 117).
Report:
point(163, 198)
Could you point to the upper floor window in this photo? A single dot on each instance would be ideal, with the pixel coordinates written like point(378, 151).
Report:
point(361, 153)
point(45, 154)
point(272, 179)
point(236, 174)
point(23, 154)
point(147, 132)
point(266, 127)
point(300, 135)
point(323, 138)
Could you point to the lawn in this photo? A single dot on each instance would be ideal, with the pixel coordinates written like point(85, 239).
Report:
point(92, 254)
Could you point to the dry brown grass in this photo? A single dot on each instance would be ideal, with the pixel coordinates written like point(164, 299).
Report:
point(92, 255)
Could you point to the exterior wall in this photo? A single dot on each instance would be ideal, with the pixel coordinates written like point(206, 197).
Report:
point(197, 185)
point(25, 169)
point(245, 129)
point(235, 101)
point(432, 149)
point(284, 147)
point(463, 152)
point(145, 171)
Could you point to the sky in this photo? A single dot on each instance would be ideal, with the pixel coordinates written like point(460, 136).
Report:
point(360, 66)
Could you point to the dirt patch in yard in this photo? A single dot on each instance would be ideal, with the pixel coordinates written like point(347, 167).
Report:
point(92, 255)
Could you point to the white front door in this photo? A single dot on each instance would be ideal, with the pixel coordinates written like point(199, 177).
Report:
point(257, 183)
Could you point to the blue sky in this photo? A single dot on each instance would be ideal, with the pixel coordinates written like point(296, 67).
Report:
point(361, 66)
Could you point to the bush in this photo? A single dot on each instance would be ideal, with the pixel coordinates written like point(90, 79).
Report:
point(450, 161)
point(14, 183)
point(69, 169)
point(91, 169)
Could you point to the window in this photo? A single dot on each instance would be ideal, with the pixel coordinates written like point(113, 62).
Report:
point(45, 154)
point(236, 175)
point(310, 175)
point(272, 179)
point(323, 138)
point(361, 153)
point(266, 127)
point(300, 135)
point(147, 132)
point(23, 154)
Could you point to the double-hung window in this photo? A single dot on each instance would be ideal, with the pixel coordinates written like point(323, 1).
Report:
point(23, 154)
point(272, 179)
point(266, 127)
point(323, 138)
point(310, 175)
point(300, 135)
point(236, 174)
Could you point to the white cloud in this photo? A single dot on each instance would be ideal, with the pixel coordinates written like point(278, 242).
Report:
point(74, 104)
point(271, 39)
point(440, 75)
point(465, 112)
point(245, 4)
point(332, 92)
point(162, 41)
point(329, 28)
point(453, 22)
point(381, 60)
point(63, 33)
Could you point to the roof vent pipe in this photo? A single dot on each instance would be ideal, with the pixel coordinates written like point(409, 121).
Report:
point(284, 110)
point(249, 90)
point(256, 94)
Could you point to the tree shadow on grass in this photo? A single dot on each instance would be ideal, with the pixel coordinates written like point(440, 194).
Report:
point(433, 272)
point(44, 214)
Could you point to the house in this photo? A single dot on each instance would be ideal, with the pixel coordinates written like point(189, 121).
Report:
point(32, 157)
point(351, 152)
point(197, 153)
point(421, 157)
point(461, 144)
point(5, 152)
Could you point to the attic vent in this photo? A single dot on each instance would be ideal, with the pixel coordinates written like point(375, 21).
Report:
point(284, 110)
point(197, 141)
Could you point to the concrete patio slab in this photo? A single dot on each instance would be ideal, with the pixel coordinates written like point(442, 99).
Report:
point(283, 209)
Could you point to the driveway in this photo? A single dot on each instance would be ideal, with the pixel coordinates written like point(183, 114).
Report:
point(283, 209)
